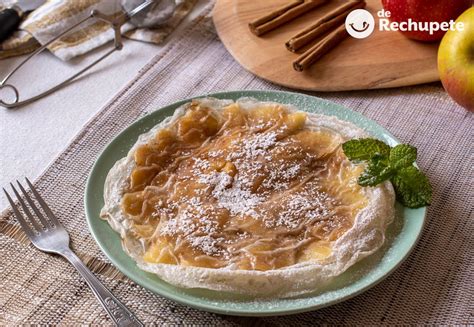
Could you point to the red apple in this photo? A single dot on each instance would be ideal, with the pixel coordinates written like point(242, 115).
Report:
point(456, 61)
point(425, 11)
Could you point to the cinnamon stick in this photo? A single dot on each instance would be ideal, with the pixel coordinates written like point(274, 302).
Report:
point(283, 15)
point(320, 49)
point(322, 25)
point(278, 12)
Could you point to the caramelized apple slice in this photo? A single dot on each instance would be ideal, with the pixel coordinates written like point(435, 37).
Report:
point(141, 177)
point(132, 203)
point(315, 251)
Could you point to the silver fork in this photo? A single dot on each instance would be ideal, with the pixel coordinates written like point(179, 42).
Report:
point(47, 234)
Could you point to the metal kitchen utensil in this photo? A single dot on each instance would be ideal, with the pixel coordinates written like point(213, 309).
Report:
point(115, 22)
point(46, 233)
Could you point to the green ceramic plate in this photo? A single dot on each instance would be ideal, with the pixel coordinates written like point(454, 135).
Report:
point(402, 235)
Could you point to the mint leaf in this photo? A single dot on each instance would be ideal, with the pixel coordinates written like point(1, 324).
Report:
point(365, 149)
point(402, 155)
point(412, 187)
point(376, 172)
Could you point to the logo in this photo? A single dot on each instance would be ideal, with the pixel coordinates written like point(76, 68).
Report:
point(386, 25)
point(360, 23)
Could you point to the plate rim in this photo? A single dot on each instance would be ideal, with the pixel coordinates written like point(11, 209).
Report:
point(95, 169)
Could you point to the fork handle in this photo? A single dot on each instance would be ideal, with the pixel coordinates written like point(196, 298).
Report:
point(117, 311)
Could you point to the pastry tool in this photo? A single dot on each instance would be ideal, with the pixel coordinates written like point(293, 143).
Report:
point(116, 22)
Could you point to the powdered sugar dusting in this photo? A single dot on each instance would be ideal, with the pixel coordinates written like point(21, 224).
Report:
point(267, 190)
point(261, 179)
point(256, 145)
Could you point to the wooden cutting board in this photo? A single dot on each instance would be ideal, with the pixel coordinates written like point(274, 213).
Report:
point(384, 59)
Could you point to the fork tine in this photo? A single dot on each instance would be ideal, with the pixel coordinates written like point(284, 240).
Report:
point(43, 204)
point(19, 217)
point(26, 210)
point(38, 213)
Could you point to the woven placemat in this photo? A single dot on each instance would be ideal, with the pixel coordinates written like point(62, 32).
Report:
point(434, 286)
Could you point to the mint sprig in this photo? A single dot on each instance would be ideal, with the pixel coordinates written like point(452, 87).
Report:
point(376, 172)
point(411, 186)
point(402, 155)
point(365, 149)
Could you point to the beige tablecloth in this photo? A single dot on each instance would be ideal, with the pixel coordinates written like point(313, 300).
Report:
point(434, 285)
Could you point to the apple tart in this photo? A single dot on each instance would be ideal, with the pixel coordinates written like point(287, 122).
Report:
point(249, 197)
